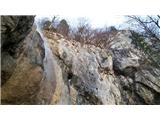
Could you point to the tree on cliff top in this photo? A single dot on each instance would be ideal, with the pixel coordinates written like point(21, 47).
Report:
point(63, 28)
point(148, 28)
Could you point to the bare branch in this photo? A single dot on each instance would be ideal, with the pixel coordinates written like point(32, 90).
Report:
point(156, 22)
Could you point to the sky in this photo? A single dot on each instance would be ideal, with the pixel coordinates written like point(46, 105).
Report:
point(101, 21)
point(96, 21)
point(99, 12)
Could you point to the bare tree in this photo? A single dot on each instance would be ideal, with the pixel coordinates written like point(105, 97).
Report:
point(85, 34)
point(55, 21)
point(83, 31)
point(63, 28)
point(101, 37)
point(148, 27)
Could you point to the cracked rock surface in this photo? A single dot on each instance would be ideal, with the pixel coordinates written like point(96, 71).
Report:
point(42, 67)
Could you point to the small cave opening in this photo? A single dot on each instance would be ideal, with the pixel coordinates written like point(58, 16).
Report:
point(70, 75)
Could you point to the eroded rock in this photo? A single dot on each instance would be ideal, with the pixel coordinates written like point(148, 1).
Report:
point(90, 67)
point(42, 67)
point(24, 80)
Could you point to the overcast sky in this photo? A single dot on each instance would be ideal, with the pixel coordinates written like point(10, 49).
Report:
point(100, 21)
point(96, 21)
point(99, 12)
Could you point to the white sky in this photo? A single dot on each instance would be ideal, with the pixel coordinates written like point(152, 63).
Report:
point(100, 12)
point(95, 21)
point(101, 21)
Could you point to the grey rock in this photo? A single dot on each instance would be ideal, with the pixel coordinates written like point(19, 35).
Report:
point(24, 78)
point(41, 67)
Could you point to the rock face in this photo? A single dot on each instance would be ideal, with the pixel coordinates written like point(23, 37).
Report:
point(137, 80)
point(98, 76)
point(23, 70)
point(86, 70)
point(41, 67)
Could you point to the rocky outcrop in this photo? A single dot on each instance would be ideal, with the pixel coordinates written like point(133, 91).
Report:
point(138, 80)
point(100, 76)
point(42, 67)
point(86, 71)
point(24, 80)
point(12, 33)
point(15, 28)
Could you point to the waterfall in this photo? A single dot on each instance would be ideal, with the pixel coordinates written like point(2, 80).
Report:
point(48, 61)
point(53, 73)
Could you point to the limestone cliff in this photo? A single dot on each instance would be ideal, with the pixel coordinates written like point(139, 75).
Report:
point(42, 67)
point(24, 80)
